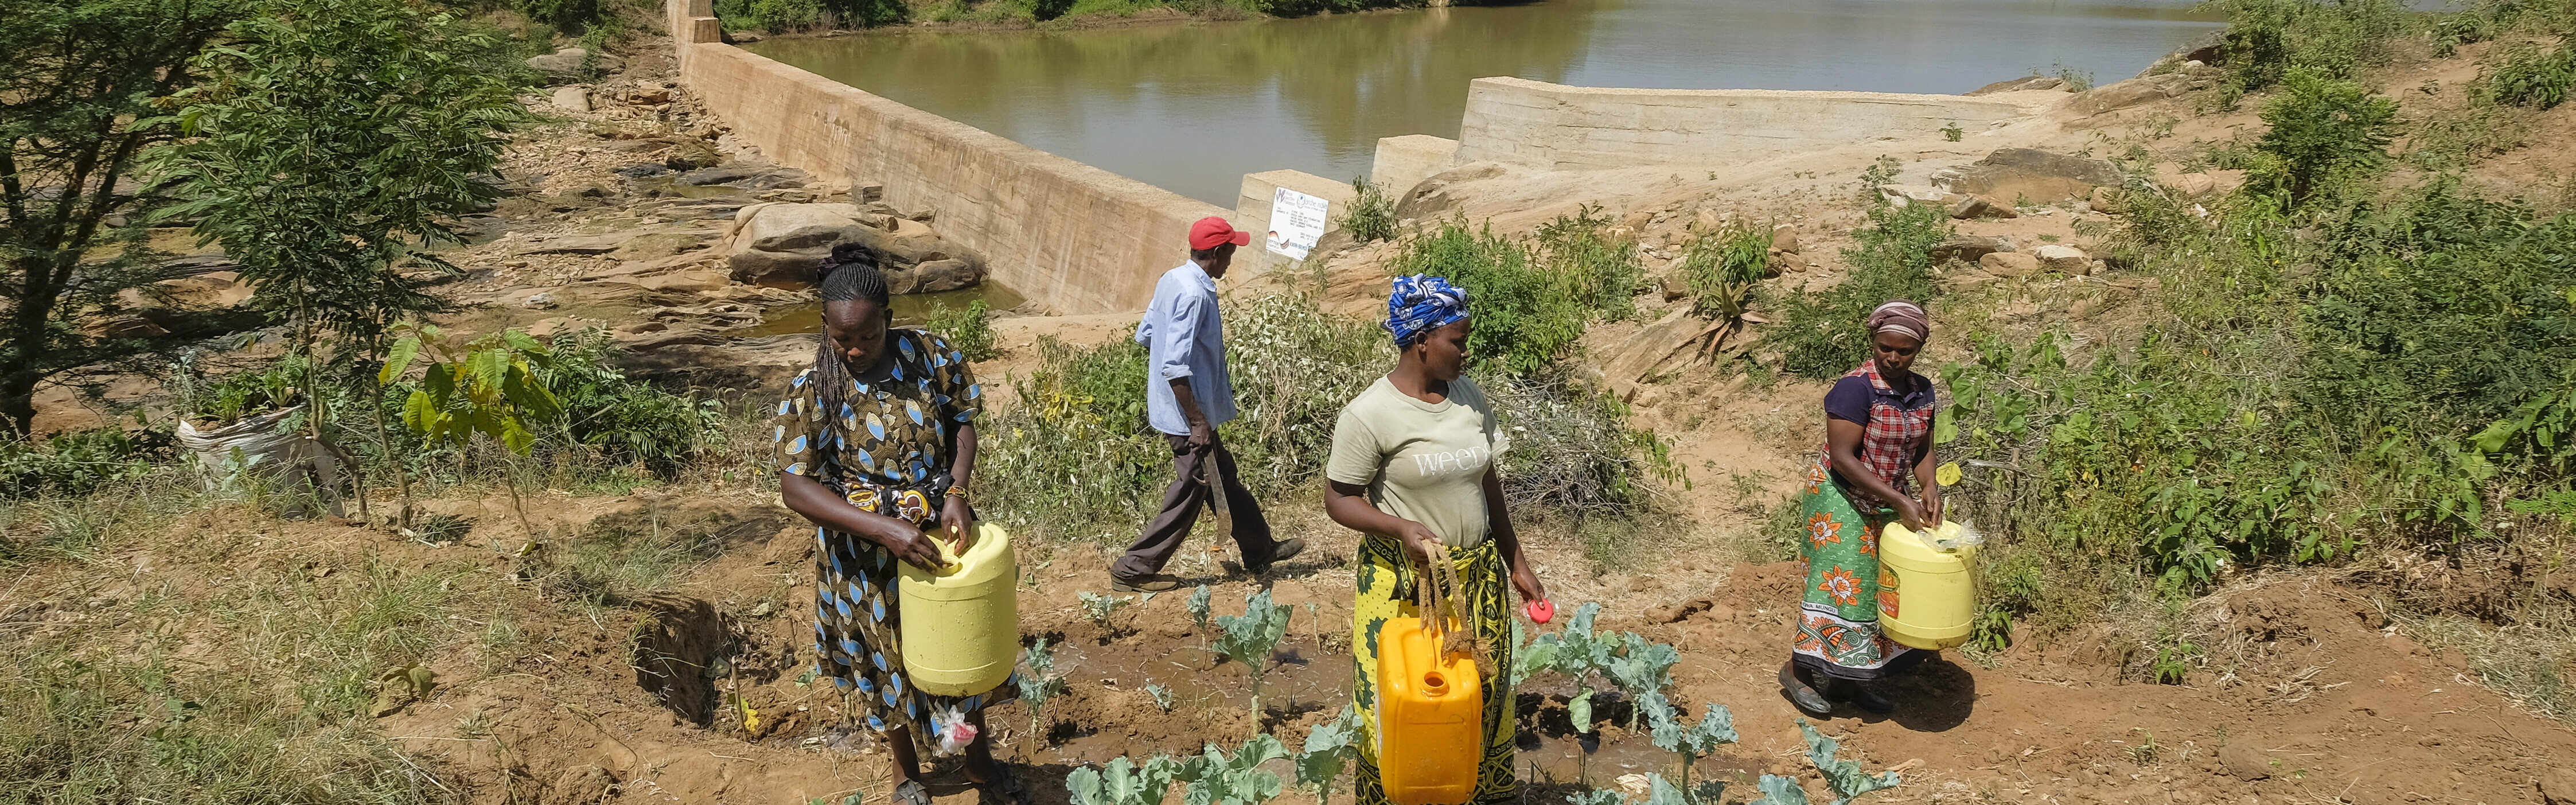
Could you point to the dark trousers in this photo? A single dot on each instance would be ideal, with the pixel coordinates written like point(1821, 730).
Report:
point(1181, 504)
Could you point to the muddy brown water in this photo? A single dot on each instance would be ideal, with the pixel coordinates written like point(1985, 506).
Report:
point(1193, 107)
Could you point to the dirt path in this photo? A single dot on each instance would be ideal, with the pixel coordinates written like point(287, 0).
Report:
point(545, 698)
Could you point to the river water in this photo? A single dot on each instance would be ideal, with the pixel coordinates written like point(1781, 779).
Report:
point(1192, 107)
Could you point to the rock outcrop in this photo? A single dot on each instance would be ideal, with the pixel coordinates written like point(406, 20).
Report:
point(2015, 173)
point(778, 245)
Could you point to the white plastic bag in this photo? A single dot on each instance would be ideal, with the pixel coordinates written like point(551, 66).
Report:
point(262, 450)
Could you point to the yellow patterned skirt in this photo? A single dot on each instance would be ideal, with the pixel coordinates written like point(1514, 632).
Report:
point(1386, 590)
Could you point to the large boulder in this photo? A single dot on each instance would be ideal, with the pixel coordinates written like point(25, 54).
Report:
point(2134, 92)
point(565, 64)
point(1977, 206)
point(1970, 248)
point(2065, 259)
point(934, 276)
point(2008, 264)
point(779, 246)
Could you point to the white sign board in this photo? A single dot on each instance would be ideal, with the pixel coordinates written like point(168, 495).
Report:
point(1296, 222)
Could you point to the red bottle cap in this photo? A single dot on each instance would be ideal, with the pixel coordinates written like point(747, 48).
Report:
point(1542, 611)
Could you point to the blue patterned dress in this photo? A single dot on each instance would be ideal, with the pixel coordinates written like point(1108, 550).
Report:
point(888, 453)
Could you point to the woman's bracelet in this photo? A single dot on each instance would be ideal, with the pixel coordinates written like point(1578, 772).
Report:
point(956, 492)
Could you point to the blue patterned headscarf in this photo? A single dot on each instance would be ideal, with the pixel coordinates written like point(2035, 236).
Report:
point(1421, 304)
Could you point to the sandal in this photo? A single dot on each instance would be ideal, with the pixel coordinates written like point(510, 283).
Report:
point(910, 792)
point(1005, 783)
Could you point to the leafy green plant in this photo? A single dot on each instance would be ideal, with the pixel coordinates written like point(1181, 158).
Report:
point(1099, 608)
point(623, 419)
point(487, 387)
point(1642, 668)
point(1330, 748)
point(1721, 268)
point(1123, 782)
point(1372, 212)
point(2322, 129)
point(1952, 132)
point(1523, 320)
point(1250, 638)
point(1821, 337)
point(1162, 696)
point(1037, 684)
point(1197, 604)
point(75, 462)
point(1659, 791)
point(1218, 778)
point(969, 329)
point(1880, 173)
point(1844, 777)
point(1716, 728)
point(2529, 75)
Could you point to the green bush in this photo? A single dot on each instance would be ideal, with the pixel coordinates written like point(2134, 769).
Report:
point(2323, 129)
point(1523, 321)
point(1721, 268)
point(76, 462)
point(2265, 39)
point(625, 420)
point(969, 329)
point(1372, 215)
point(1821, 336)
point(2526, 74)
point(1531, 300)
point(785, 16)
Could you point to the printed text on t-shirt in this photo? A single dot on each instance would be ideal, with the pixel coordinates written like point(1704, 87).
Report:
point(1472, 459)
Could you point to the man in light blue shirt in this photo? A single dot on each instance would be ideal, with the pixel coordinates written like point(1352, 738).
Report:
point(1188, 393)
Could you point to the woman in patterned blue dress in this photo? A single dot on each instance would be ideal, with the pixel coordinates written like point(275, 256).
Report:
point(876, 445)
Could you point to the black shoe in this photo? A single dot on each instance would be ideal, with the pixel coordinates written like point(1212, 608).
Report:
point(1864, 695)
point(1286, 549)
point(1802, 694)
point(1149, 583)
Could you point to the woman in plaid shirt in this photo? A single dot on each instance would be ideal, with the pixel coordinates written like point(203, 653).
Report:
point(1878, 430)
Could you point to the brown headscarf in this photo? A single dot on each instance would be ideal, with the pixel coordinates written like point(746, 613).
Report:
point(1901, 317)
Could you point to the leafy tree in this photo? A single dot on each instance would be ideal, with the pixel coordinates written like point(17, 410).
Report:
point(488, 386)
point(334, 140)
point(337, 138)
point(79, 74)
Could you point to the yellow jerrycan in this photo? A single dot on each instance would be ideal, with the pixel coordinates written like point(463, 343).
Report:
point(1926, 597)
point(1430, 717)
point(961, 626)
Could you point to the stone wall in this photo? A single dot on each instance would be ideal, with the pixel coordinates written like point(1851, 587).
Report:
point(1069, 236)
point(1558, 127)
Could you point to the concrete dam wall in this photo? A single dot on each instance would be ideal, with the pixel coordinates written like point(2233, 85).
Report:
point(1077, 239)
point(1072, 237)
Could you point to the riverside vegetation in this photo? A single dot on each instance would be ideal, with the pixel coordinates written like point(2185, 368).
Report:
point(2361, 352)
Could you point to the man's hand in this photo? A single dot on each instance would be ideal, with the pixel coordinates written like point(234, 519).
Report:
point(959, 523)
point(1202, 437)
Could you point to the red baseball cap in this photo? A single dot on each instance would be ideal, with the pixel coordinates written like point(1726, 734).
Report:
point(1212, 230)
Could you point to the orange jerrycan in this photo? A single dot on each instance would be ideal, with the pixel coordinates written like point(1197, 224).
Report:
point(1430, 717)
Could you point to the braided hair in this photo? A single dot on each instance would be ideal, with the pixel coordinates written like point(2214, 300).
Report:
point(849, 275)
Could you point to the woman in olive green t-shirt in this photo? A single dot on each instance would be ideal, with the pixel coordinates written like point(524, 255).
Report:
point(1412, 469)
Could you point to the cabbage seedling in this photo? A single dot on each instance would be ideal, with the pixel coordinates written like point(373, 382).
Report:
point(1659, 791)
point(1038, 685)
point(1162, 697)
point(1122, 783)
point(1198, 606)
point(1329, 748)
point(1250, 637)
point(1643, 667)
point(1218, 779)
point(1843, 776)
point(1713, 730)
point(1098, 608)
